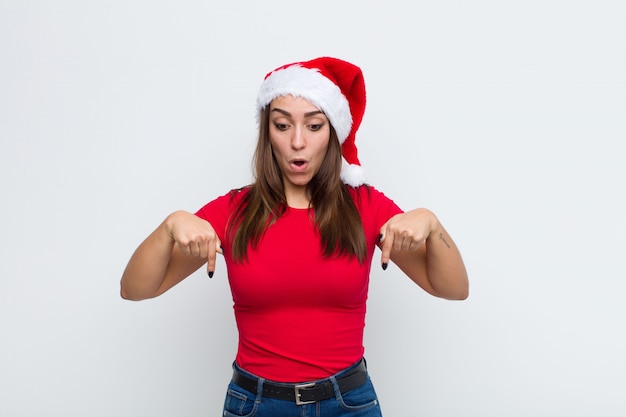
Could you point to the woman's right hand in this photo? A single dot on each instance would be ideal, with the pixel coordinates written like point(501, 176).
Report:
point(174, 250)
point(194, 237)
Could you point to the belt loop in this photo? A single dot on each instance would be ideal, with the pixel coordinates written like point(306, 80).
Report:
point(336, 389)
point(259, 389)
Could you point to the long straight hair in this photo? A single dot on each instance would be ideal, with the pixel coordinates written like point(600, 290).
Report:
point(334, 212)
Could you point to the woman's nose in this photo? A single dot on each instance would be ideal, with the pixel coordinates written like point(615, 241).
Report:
point(298, 141)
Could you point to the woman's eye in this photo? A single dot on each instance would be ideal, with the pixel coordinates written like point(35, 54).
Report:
point(316, 127)
point(280, 126)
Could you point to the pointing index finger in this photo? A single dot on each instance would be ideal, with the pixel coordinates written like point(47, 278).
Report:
point(213, 249)
point(385, 247)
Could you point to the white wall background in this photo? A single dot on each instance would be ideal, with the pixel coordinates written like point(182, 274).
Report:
point(505, 118)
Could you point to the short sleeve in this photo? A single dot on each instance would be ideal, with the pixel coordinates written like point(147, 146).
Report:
point(218, 211)
point(375, 209)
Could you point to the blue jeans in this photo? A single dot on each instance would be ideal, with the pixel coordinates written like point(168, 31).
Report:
point(358, 402)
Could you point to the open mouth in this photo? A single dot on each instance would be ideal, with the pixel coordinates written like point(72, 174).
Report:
point(298, 163)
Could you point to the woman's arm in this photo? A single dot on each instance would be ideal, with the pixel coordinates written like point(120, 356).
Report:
point(176, 248)
point(420, 246)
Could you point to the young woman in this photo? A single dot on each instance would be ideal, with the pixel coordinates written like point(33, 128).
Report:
point(298, 245)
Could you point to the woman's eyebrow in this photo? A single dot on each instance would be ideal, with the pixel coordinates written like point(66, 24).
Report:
point(286, 113)
point(313, 113)
point(307, 114)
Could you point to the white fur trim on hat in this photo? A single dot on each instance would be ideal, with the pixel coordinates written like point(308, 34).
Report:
point(352, 175)
point(311, 85)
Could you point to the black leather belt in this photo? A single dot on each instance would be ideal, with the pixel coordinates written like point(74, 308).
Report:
point(305, 393)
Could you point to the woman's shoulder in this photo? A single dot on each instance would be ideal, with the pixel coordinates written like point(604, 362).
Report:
point(367, 197)
point(365, 193)
point(227, 201)
point(239, 193)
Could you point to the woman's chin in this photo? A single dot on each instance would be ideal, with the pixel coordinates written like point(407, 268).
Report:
point(297, 181)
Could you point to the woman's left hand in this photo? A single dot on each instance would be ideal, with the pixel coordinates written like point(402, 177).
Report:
point(406, 232)
point(435, 266)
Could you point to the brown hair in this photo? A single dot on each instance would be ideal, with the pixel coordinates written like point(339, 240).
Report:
point(335, 214)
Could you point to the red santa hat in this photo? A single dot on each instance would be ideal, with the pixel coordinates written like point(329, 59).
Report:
point(334, 86)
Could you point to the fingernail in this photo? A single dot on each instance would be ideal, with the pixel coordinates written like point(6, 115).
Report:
point(210, 274)
point(385, 266)
point(380, 237)
point(222, 248)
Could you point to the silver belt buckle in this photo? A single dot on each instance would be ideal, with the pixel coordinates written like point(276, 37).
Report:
point(297, 389)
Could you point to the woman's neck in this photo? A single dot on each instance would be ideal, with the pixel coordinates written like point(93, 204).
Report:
point(298, 202)
point(297, 197)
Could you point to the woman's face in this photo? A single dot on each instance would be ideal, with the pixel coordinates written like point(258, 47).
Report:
point(299, 133)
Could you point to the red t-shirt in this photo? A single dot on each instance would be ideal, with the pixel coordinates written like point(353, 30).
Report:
point(300, 315)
